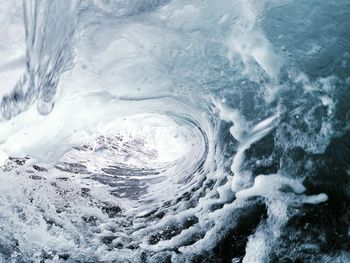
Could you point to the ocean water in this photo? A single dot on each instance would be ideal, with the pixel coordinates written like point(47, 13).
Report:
point(175, 131)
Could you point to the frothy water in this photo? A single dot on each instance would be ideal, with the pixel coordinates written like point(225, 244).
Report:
point(175, 131)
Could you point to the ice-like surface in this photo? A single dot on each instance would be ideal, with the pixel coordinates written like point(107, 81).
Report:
point(174, 131)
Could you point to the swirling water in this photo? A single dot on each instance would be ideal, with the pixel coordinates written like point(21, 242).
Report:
point(175, 131)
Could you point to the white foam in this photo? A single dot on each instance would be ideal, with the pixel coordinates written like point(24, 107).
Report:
point(279, 193)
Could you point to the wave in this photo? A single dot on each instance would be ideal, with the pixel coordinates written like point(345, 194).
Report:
point(174, 131)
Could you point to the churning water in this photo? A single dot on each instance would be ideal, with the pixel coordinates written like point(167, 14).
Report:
point(175, 131)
